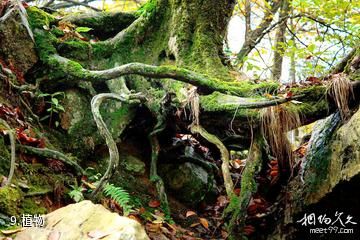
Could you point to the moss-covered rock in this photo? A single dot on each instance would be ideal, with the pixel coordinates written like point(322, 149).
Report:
point(17, 49)
point(134, 165)
point(333, 157)
point(10, 200)
point(188, 182)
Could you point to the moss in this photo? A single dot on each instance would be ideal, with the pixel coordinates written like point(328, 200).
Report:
point(38, 18)
point(10, 199)
point(318, 156)
point(4, 158)
point(216, 102)
point(45, 44)
point(75, 49)
point(29, 206)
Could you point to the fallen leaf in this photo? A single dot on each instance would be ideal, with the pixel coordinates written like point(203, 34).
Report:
point(154, 203)
point(11, 231)
point(190, 213)
point(204, 223)
point(194, 224)
point(249, 229)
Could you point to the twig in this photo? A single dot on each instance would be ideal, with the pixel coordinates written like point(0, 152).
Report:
point(49, 153)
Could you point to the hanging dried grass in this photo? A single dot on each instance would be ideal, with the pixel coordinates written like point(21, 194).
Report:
point(276, 121)
point(341, 90)
point(194, 102)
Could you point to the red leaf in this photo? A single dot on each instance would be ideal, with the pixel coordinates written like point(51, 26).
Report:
point(154, 203)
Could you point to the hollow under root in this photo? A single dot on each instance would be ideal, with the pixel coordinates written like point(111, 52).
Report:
point(229, 185)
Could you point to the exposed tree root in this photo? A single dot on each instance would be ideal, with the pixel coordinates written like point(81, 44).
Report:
point(113, 150)
point(78, 73)
point(49, 153)
point(229, 185)
point(248, 188)
point(154, 177)
point(12, 143)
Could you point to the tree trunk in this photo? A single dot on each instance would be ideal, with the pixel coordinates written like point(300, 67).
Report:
point(280, 41)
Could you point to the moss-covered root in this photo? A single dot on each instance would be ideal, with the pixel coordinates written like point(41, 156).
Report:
point(154, 177)
point(248, 188)
point(49, 153)
point(229, 185)
point(12, 143)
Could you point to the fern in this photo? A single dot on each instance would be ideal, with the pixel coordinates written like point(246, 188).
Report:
point(120, 196)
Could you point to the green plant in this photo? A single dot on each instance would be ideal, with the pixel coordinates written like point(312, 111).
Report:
point(55, 105)
point(120, 196)
point(76, 194)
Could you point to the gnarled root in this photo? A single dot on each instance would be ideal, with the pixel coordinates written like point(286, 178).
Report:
point(110, 142)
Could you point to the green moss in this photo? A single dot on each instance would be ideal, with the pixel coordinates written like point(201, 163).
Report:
point(10, 199)
point(318, 156)
point(38, 18)
point(4, 158)
point(44, 42)
point(75, 49)
point(29, 206)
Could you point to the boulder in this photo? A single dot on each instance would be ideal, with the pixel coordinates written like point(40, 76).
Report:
point(85, 220)
point(17, 49)
point(188, 182)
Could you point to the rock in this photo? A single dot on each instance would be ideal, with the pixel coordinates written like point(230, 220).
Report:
point(134, 165)
point(83, 221)
point(10, 199)
point(78, 121)
point(333, 158)
point(189, 182)
point(17, 49)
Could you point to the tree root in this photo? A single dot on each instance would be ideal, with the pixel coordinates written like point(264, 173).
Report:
point(49, 153)
point(12, 143)
point(76, 72)
point(154, 177)
point(113, 150)
point(248, 188)
point(229, 185)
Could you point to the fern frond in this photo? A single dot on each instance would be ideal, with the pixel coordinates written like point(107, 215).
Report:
point(120, 196)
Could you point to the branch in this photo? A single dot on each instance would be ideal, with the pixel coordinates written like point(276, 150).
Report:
point(257, 34)
point(75, 3)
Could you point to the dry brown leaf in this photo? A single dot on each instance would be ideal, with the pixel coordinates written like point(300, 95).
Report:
point(154, 203)
point(190, 213)
point(194, 224)
point(11, 231)
point(204, 223)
